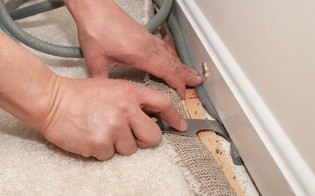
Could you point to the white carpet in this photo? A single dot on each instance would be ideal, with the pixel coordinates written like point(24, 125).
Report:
point(32, 166)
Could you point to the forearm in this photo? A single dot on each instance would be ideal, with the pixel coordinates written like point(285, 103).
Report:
point(26, 85)
point(88, 11)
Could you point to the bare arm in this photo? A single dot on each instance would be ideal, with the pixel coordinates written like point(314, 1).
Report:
point(26, 86)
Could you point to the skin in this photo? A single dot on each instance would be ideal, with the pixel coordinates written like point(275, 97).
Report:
point(109, 37)
point(95, 117)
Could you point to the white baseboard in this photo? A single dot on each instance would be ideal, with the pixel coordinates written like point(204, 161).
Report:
point(272, 160)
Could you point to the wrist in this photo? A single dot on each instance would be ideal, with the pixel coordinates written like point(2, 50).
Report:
point(48, 101)
point(87, 10)
point(28, 89)
point(31, 103)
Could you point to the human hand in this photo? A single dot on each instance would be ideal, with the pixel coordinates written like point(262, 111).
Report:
point(109, 37)
point(91, 117)
point(98, 117)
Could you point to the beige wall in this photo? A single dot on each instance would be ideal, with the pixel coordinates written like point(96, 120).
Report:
point(274, 43)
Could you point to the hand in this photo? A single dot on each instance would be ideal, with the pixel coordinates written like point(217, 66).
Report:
point(109, 37)
point(98, 117)
point(91, 117)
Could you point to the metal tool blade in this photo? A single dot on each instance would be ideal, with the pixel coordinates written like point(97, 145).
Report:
point(197, 125)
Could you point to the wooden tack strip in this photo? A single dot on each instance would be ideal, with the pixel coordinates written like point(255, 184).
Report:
point(210, 140)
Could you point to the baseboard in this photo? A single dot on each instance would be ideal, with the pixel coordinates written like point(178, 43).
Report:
point(261, 141)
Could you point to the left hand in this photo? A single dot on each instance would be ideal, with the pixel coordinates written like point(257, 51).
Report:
point(109, 37)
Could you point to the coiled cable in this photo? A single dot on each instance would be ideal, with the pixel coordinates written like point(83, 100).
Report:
point(54, 49)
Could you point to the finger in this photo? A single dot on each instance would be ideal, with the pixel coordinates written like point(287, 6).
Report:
point(191, 70)
point(143, 145)
point(176, 74)
point(162, 104)
point(100, 147)
point(125, 143)
point(191, 76)
point(104, 153)
point(180, 91)
point(146, 131)
point(181, 76)
point(168, 67)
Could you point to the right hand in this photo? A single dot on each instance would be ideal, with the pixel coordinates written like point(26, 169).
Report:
point(98, 117)
point(109, 37)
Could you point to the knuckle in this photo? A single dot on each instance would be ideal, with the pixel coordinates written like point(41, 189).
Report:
point(131, 91)
point(176, 68)
point(98, 143)
point(102, 149)
point(123, 107)
point(112, 128)
point(171, 70)
point(148, 91)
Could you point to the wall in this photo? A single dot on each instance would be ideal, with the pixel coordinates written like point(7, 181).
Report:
point(271, 44)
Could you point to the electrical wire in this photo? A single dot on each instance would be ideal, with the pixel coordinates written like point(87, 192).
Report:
point(35, 9)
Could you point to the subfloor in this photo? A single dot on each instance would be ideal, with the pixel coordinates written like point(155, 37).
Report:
point(32, 166)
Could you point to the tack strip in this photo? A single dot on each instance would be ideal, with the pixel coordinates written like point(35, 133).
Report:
point(210, 140)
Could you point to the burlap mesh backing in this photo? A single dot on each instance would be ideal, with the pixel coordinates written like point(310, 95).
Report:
point(202, 171)
point(205, 171)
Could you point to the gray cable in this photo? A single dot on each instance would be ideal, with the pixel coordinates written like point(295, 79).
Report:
point(48, 5)
point(7, 32)
point(27, 39)
point(13, 4)
point(64, 51)
point(36, 8)
point(160, 16)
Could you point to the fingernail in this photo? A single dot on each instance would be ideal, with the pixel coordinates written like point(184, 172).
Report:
point(183, 125)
